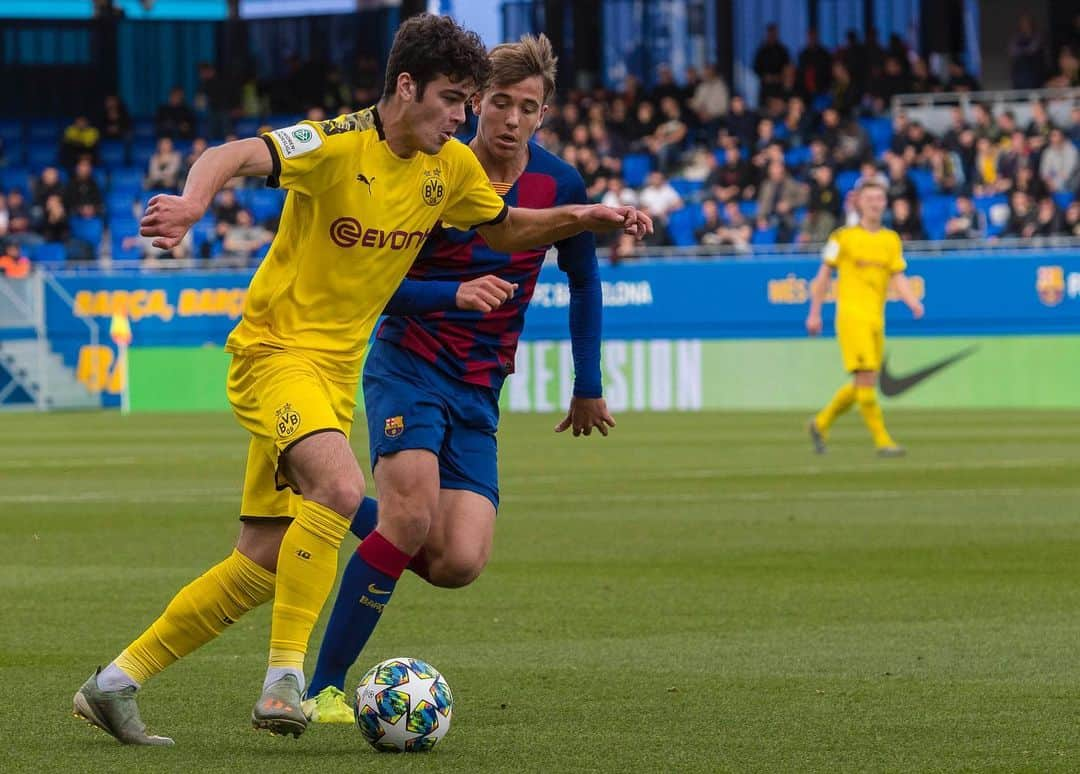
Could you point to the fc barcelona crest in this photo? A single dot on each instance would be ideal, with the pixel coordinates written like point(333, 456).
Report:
point(394, 427)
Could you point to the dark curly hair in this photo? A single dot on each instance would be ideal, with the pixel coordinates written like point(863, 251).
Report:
point(427, 46)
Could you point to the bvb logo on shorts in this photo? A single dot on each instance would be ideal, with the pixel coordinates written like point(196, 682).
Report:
point(288, 420)
point(433, 189)
point(394, 426)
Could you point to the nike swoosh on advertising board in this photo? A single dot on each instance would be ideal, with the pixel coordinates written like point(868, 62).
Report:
point(892, 385)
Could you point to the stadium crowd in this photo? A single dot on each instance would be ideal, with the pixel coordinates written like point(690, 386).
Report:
point(711, 169)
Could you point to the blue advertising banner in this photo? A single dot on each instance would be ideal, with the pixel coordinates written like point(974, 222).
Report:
point(983, 294)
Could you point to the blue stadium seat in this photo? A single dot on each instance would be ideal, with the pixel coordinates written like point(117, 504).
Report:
point(846, 180)
point(764, 236)
point(990, 206)
point(119, 229)
point(42, 154)
point(880, 132)
point(204, 232)
point(45, 130)
point(686, 188)
point(936, 211)
point(143, 129)
point(49, 252)
point(128, 179)
point(635, 168)
point(748, 208)
point(113, 154)
point(11, 130)
point(924, 182)
point(14, 151)
point(141, 151)
point(797, 156)
point(246, 127)
point(88, 229)
point(682, 223)
point(1063, 199)
point(15, 177)
point(120, 204)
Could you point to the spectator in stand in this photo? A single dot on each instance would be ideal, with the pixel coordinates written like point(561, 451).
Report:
point(226, 211)
point(782, 221)
point(1028, 181)
point(982, 122)
point(957, 125)
point(1071, 223)
point(198, 148)
point(82, 195)
point(659, 199)
point(20, 220)
point(5, 217)
point(1059, 165)
point(906, 222)
point(619, 122)
point(742, 122)
point(79, 140)
point(823, 195)
point(705, 234)
point(845, 93)
point(710, 101)
point(1040, 125)
point(244, 239)
point(899, 183)
point(733, 179)
point(665, 87)
point(1014, 154)
point(814, 72)
point(14, 264)
point(594, 175)
point(737, 229)
point(960, 79)
point(766, 136)
point(769, 62)
point(1048, 219)
point(1068, 72)
point(163, 171)
point(54, 226)
point(987, 181)
point(916, 145)
point(666, 142)
point(608, 147)
point(175, 119)
point(967, 223)
point(853, 145)
point(618, 194)
point(1074, 125)
point(967, 152)
point(892, 81)
point(218, 96)
point(794, 130)
point(1021, 223)
point(922, 80)
point(47, 184)
point(336, 93)
point(115, 121)
point(643, 125)
point(1006, 124)
point(947, 169)
point(778, 186)
point(1027, 55)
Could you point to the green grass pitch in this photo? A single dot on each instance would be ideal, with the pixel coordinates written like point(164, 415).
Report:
point(693, 593)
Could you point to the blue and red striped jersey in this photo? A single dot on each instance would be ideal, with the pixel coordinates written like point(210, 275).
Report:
point(472, 346)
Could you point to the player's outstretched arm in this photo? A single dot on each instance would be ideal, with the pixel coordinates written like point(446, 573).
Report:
point(524, 228)
point(483, 294)
point(907, 294)
point(819, 286)
point(168, 218)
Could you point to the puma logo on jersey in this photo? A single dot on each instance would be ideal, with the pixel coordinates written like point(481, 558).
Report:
point(362, 178)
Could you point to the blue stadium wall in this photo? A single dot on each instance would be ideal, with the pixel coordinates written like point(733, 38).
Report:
point(688, 335)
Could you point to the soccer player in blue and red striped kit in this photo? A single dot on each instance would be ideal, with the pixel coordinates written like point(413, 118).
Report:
point(433, 375)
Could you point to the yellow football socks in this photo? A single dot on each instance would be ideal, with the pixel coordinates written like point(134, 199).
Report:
point(199, 613)
point(841, 402)
point(307, 567)
point(872, 416)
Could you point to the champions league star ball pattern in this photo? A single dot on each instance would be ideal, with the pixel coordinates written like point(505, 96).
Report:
point(403, 705)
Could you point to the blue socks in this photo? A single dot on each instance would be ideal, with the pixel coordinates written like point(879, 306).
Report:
point(367, 516)
point(366, 586)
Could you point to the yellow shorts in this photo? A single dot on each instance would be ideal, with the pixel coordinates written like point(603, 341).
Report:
point(862, 344)
point(281, 398)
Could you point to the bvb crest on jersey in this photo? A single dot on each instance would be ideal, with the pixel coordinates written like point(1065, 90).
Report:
point(432, 189)
point(288, 420)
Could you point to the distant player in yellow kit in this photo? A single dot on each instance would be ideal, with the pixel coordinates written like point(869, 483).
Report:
point(867, 259)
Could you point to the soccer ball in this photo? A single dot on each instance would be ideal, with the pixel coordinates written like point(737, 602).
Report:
point(403, 705)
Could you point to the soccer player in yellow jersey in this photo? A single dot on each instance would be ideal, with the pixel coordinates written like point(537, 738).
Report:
point(364, 192)
point(867, 258)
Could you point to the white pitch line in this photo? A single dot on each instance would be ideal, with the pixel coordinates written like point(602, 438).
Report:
point(119, 496)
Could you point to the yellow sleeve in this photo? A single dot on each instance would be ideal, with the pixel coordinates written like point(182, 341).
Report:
point(306, 159)
point(472, 201)
point(830, 254)
point(897, 263)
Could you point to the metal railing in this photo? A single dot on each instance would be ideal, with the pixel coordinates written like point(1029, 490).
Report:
point(933, 110)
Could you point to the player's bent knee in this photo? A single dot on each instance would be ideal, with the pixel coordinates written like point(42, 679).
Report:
point(454, 574)
point(342, 494)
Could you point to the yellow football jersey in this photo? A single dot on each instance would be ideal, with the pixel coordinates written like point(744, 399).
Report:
point(864, 262)
point(354, 219)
